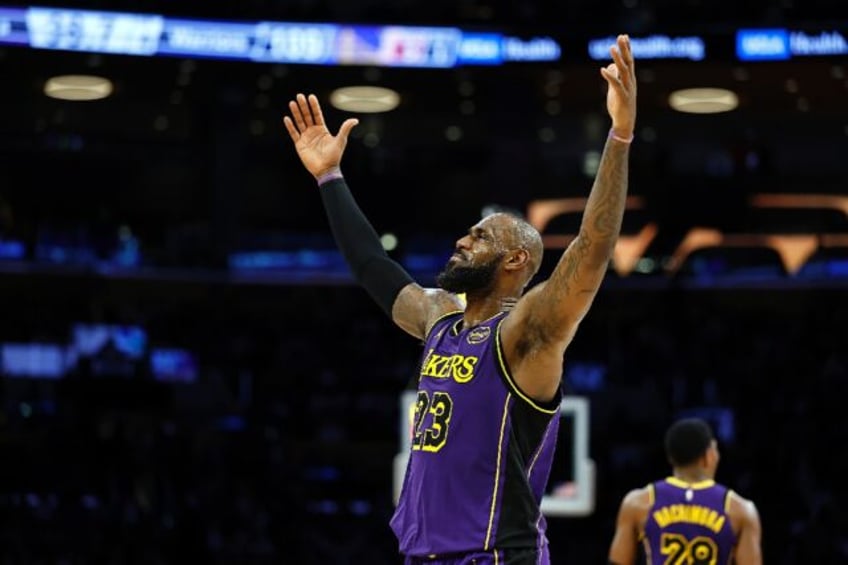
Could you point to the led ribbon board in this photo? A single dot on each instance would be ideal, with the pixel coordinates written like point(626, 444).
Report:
point(272, 42)
point(779, 44)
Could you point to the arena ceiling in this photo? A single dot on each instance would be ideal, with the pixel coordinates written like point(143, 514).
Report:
point(176, 130)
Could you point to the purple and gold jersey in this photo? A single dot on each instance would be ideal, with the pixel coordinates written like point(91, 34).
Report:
point(481, 450)
point(688, 523)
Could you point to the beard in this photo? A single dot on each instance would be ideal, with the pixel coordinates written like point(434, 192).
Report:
point(468, 278)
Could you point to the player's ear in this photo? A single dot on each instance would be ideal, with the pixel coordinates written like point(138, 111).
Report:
point(713, 454)
point(517, 258)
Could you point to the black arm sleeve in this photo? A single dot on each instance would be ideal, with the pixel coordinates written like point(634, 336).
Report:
point(360, 245)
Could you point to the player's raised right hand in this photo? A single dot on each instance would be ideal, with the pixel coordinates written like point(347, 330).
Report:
point(319, 150)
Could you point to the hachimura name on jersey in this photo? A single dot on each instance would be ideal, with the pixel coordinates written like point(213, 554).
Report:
point(688, 524)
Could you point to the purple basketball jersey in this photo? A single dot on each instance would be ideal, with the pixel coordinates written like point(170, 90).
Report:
point(481, 450)
point(688, 523)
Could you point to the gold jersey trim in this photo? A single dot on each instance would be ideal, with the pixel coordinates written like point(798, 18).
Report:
point(486, 545)
point(511, 381)
point(700, 485)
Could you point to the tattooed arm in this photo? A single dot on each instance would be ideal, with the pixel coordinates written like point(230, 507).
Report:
point(544, 321)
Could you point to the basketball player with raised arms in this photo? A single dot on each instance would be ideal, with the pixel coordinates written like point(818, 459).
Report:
point(489, 385)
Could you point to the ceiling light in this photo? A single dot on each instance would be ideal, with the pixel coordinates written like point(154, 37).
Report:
point(78, 87)
point(365, 99)
point(703, 100)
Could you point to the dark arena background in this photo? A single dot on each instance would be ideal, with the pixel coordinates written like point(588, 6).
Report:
point(188, 373)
